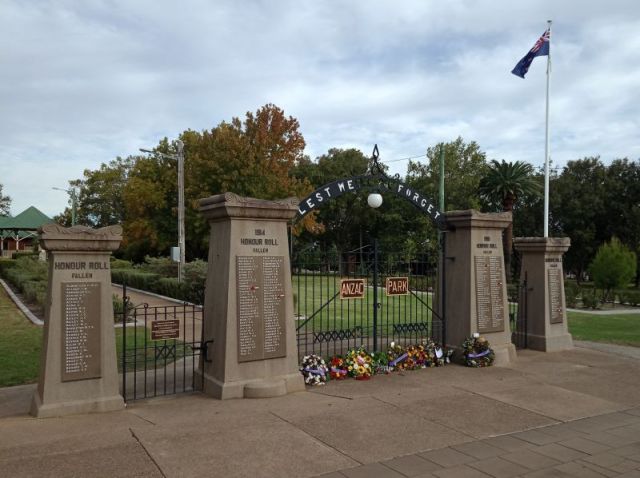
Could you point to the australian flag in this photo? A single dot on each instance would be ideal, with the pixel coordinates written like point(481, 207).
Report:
point(541, 48)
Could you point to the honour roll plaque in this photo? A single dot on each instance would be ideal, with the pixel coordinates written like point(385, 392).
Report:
point(261, 307)
point(80, 330)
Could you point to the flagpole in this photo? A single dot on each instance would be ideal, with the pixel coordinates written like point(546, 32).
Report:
point(546, 143)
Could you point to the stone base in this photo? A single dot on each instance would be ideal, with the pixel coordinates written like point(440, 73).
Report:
point(505, 354)
point(553, 343)
point(272, 387)
point(72, 407)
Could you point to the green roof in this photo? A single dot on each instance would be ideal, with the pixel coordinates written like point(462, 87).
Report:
point(28, 220)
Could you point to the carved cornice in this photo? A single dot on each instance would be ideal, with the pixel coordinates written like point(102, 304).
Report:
point(54, 237)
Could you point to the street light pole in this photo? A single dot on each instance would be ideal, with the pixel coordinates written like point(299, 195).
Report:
point(181, 234)
point(181, 242)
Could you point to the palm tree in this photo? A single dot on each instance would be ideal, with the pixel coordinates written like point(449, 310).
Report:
point(503, 184)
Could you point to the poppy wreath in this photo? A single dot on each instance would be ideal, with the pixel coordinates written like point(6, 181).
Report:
point(397, 356)
point(359, 363)
point(337, 368)
point(477, 352)
point(314, 370)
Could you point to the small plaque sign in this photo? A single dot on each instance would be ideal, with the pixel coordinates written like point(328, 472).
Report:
point(352, 288)
point(165, 329)
point(397, 286)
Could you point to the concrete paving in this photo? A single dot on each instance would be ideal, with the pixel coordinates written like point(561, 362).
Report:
point(574, 413)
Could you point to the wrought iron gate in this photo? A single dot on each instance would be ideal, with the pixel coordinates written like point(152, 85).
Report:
point(347, 300)
point(158, 349)
point(518, 315)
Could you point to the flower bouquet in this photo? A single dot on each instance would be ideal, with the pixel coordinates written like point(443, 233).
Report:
point(437, 356)
point(337, 368)
point(358, 363)
point(380, 363)
point(477, 352)
point(397, 356)
point(314, 370)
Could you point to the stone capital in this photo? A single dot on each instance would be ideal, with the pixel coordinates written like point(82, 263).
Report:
point(230, 205)
point(558, 245)
point(54, 237)
point(472, 218)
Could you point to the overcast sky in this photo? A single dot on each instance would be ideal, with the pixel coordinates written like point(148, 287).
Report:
point(85, 81)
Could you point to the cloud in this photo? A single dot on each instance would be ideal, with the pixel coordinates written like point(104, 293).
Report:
point(84, 82)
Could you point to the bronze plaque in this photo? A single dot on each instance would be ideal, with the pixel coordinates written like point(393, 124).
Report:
point(261, 307)
point(554, 277)
point(165, 329)
point(352, 288)
point(81, 334)
point(397, 286)
point(489, 294)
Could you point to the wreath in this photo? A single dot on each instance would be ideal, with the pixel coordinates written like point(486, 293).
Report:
point(436, 356)
point(358, 363)
point(477, 352)
point(314, 370)
point(397, 357)
point(337, 368)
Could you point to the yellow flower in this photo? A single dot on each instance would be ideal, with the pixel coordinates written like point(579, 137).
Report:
point(361, 370)
point(368, 359)
point(350, 368)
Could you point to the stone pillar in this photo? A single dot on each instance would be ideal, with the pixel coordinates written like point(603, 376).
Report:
point(541, 265)
point(78, 368)
point(248, 306)
point(476, 287)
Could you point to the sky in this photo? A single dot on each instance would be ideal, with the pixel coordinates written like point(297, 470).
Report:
point(84, 82)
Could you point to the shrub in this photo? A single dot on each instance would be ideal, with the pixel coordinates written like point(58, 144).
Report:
point(170, 287)
point(195, 276)
point(120, 264)
point(590, 299)
point(21, 254)
point(613, 267)
point(631, 297)
point(162, 266)
point(135, 278)
point(571, 293)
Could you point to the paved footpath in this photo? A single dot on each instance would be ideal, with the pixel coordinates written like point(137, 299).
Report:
point(574, 413)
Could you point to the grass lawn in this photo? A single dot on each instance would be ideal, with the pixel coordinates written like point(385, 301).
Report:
point(621, 329)
point(317, 299)
point(20, 344)
point(143, 353)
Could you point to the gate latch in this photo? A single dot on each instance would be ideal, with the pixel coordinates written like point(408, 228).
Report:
point(204, 350)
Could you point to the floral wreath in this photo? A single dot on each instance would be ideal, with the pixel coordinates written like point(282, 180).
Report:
point(477, 352)
point(314, 370)
point(359, 364)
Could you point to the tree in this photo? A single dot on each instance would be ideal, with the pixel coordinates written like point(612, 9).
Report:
point(465, 164)
point(5, 203)
point(502, 186)
point(578, 210)
point(622, 203)
point(614, 266)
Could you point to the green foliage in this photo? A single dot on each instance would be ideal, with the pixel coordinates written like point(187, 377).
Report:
point(195, 275)
point(504, 183)
point(613, 267)
point(29, 276)
point(629, 297)
point(571, 292)
point(120, 264)
point(163, 266)
point(135, 278)
point(590, 299)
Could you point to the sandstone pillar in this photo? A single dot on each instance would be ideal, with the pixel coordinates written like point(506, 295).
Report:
point(476, 287)
point(78, 369)
point(248, 307)
point(541, 265)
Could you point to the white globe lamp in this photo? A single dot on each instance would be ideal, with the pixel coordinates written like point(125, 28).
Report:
point(374, 200)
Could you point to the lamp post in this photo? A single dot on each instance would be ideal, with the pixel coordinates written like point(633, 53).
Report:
point(374, 200)
point(74, 201)
point(181, 235)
